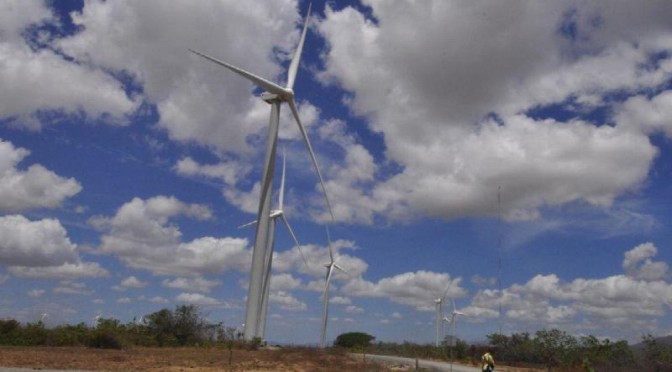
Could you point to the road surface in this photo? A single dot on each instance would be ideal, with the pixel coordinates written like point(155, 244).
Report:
point(428, 364)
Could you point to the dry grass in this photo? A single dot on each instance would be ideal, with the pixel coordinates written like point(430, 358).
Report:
point(183, 359)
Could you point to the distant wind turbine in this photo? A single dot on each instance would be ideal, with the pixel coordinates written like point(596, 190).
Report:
point(275, 95)
point(330, 270)
point(44, 316)
point(95, 321)
point(438, 302)
point(268, 262)
point(453, 325)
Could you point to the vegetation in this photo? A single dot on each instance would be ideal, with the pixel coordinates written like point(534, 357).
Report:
point(184, 326)
point(553, 350)
point(354, 340)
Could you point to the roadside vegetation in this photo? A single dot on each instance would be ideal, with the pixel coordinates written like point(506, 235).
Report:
point(184, 326)
point(552, 350)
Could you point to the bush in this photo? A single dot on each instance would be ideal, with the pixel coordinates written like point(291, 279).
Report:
point(354, 340)
point(104, 339)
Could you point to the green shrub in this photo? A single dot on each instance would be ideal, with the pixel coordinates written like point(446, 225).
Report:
point(354, 340)
point(105, 339)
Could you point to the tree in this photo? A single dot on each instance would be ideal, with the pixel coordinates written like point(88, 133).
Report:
point(556, 348)
point(353, 340)
point(657, 356)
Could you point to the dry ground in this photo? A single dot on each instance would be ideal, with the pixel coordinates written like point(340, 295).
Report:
point(182, 359)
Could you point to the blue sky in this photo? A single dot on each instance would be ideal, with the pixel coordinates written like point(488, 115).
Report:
point(129, 163)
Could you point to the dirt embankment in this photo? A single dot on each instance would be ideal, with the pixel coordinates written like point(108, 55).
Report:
point(183, 359)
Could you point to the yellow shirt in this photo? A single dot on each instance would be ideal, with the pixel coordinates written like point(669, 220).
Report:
point(487, 360)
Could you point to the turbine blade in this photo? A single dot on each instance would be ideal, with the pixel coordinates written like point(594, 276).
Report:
point(292, 106)
point(248, 224)
point(340, 268)
point(331, 253)
point(282, 182)
point(296, 241)
point(258, 81)
point(294, 65)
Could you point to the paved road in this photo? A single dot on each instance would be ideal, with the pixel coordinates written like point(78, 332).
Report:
point(431, 365)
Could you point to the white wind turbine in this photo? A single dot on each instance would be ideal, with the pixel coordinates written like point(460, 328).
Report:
point(268, 261)
point(438, 302)
point(275, 95)
point(95, 320)
point(330, 270)
point(453, 326)
point(44, 316)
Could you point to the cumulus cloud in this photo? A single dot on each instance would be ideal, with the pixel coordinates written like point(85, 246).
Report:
point(196, 99)
point(62, 272)
point(142, 236)
point(639, 265)
point(42, 250)
point(34, 243)
point(35, 187)
point(317, 256)
point(418, 289)
point(196, 284)
point(461, 120)
point(287, 301)
point(51, 81)
point(196, 299)
point(631, 302)
point(130, 282)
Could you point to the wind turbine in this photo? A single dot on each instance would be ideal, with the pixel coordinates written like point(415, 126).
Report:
point(438, 302)
point(275, 95)
point(275, 214)
point(330, 270)
point(452, 322)
point(95, 321)
point(44, 316)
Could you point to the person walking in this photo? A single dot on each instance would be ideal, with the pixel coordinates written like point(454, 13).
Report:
point(488, 362)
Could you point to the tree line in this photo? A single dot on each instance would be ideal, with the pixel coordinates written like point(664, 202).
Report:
point(552, 349)
point(183, 326)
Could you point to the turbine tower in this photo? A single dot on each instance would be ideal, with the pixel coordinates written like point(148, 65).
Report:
point(438, 302)
point(452, 322)
point(275, 95)
point(330, 270)
point(275, 214)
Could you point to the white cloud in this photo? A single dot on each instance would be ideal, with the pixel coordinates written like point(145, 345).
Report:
point(196, 99)
point(286, 301)
point(648, 115)
point(196, 299)
point(630, 302)
point(35, 187)
point(432, 110)
point(317, 256)
point(142, 236)
point(34, 243)
point(131, 282)
point(197, 284)
point(62, 272)
point(352, 309)
point(41, 250)
point(338, 300)
point(70, 287)
point(35, 293)
point(42, 75)
point(124, 300)
point(158, 300)
point(417, 289)
point(229, 171)
point(638, 264)
point(284, 282)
